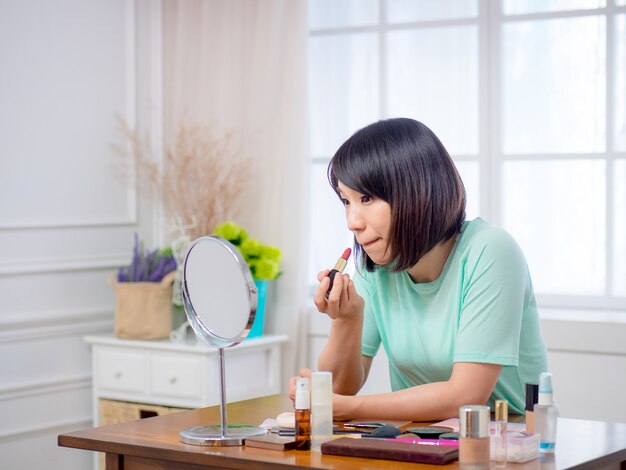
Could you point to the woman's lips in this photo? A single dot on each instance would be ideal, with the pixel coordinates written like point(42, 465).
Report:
point(365, 245)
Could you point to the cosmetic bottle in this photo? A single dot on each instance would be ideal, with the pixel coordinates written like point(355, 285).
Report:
point(546, 415)
point(321, 409)
point(303, 414)
point(500, 437)
point(474, 437)
point(532, 395)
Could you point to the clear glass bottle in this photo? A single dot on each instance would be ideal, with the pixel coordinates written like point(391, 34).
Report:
point(474, 437)
point(546, 413)
point(500, 444)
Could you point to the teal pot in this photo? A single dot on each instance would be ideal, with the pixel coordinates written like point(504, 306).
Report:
point(259, 319)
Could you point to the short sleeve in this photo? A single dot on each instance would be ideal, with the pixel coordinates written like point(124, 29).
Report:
point(496, 281)
point(370, 341)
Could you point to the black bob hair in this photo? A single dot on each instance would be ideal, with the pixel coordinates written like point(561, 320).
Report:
point(402, 162)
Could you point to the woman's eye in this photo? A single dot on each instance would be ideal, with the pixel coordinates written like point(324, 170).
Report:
point(365, 199)
point(345, 202)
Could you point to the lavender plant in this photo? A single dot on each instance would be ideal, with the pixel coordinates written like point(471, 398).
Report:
point(151, 266)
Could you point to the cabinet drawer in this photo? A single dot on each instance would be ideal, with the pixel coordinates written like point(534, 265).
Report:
point(177, 376)
point(120, 370)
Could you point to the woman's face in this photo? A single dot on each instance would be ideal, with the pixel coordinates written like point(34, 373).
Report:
point(369, 220)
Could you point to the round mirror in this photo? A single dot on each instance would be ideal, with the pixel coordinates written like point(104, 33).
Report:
point(220, 302)
point(219, 293)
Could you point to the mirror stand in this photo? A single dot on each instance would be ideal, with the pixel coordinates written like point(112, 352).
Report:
point(220, 300)
point(220, 435)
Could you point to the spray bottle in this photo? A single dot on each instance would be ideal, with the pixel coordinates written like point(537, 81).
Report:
point(546, 413)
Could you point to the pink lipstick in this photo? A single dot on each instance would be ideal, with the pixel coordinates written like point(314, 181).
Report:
point(340, 265)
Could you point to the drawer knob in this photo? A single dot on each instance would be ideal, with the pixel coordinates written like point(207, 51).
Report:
point(118, 375)
point(173, 380)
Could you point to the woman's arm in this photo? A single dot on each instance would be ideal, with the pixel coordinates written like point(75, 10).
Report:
point(367, 363)
point(470, 383)
point(342, 353)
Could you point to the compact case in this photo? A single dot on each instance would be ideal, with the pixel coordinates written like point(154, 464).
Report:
point(521, 447)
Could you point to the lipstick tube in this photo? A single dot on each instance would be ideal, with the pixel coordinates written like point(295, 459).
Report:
point(340, 265)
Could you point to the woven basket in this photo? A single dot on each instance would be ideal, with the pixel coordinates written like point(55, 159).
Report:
point(114, 412)
point(143, 310)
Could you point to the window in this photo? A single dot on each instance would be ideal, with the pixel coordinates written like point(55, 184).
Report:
point(528, 96)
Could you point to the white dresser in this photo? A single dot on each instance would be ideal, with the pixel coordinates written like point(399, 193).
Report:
point(185, 375)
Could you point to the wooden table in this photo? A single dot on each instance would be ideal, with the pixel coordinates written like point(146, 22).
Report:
point(153, 443)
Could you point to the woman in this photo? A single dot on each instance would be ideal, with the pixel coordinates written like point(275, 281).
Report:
point(450, 301)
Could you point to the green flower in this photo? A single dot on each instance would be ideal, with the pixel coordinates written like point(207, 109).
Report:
point(251, 248)
point(232, 232)
point(263, 260)
point(271, 253)
point(265, 269)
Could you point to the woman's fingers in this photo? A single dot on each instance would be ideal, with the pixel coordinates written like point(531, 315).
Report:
point(322, 274)
point(334, 296)
point(292, 382)
point(342, 302)
point(320, 294)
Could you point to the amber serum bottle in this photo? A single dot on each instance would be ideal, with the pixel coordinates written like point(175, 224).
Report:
point(303, 414)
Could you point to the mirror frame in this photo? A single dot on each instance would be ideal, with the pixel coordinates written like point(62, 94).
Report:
point(200, 328)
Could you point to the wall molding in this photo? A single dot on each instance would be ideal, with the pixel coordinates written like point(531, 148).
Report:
point(593, 335)
point(45, 387)
point(55, 428)
point(55, 324)
point(576, 331)
point(127, 221)
point(130, 217)
point(66, 264)
point(587, 352)
point(39, 390)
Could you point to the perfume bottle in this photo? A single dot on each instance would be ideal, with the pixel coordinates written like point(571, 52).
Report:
point(303, 414)
point(546, 413)
point(502, 416)
point(474, 437)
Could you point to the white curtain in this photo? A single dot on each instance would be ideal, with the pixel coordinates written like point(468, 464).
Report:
point(241, 66)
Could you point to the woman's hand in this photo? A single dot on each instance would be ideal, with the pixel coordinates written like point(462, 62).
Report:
point(343, 301)
point(292, 382)
point(342, 404)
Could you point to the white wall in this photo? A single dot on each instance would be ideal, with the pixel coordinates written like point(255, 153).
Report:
point(586, 355)
point(66, 218)
point(66, 222)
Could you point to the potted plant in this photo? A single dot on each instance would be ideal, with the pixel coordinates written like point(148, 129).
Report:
point(263, 261)
point(143, 294)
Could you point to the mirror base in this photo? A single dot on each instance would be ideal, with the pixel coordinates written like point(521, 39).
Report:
point(212, 435)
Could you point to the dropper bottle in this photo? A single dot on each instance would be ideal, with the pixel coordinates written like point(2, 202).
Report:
point(546, 413)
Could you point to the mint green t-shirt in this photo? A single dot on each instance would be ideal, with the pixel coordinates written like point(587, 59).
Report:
point(481, 309)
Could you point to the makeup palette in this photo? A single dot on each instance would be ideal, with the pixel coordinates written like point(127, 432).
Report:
point(429, 432)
